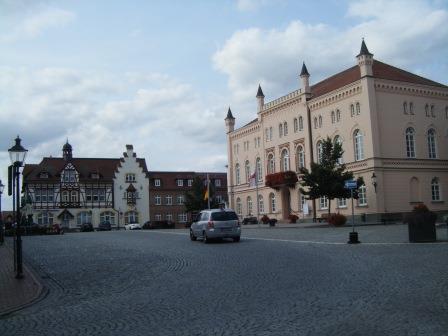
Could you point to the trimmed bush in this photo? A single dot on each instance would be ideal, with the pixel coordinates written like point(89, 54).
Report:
point(337, 219)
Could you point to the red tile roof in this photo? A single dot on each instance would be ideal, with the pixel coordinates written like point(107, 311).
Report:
point(380, 70)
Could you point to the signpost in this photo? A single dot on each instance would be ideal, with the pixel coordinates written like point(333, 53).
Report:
point(353, 238)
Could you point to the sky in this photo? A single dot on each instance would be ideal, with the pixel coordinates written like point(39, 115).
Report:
point(160, 75)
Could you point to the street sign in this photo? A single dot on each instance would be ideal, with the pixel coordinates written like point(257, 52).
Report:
point(350, 184)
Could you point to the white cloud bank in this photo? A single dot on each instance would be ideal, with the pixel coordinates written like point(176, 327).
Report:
point(409, 34)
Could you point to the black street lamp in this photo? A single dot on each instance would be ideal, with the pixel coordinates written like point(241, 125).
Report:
point(17, 155)
point(2, 231)
point(374, 181)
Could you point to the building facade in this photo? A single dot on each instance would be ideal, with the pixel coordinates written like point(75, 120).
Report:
point(393, 127)
point(167, 193)
point(73, 191)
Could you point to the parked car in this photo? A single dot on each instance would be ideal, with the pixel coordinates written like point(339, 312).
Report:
point(104, 226)
point(162, 224)
point(216, 224)
point(133, 226)
point(250, 220)
point(86, 227)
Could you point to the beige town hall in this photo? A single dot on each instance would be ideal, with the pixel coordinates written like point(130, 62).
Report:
point(393, 127)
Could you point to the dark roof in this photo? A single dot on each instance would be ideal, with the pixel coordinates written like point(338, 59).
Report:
point(259, 92)
point(304, 71)
point(229, 114)
point(380, 70)
point(364, 50)
point(106, 168)
point(250, 122)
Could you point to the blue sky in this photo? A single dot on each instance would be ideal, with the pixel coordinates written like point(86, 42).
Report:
point(161, 74)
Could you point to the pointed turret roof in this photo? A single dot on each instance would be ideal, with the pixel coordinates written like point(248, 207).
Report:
point(364, 50)
point(229, 114)
point(304, 71)
point(259, 92)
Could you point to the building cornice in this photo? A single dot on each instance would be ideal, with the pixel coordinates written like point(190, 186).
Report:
point(336, 95)
point(384, 85)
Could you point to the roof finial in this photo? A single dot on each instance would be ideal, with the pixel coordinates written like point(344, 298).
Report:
point(304, 71)
point(259, 92)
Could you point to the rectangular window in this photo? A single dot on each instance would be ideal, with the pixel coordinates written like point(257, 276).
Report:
point(130, 178)
point(190, 182)
point(323, 202)
point(169, 200)
point(362, 200)
point(180, 183)
point(157, 182)
point(158, 200)
point(217, 182)
point(37, 195)
point(342, 202)
point(169, 217)
point(180, 199)
point(435, 192)
point(182, 218)
point(50, 195)
point(158, 217)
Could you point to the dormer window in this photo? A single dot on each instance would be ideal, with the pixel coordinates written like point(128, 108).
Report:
point(130, 177)
point(157, 182)
point(95, 176)
point(43, 175)
point(180, 183)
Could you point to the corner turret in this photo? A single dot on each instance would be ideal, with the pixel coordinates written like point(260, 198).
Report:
point(365, 61)
point(260, 98)
point(230, 121)
point(305, 79)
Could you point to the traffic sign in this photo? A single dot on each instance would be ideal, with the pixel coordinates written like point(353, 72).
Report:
point(350, 184)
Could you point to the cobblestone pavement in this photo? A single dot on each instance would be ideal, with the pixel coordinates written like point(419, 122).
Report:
point(161, 283)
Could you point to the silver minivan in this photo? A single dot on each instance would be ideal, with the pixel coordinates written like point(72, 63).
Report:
point(216, 223)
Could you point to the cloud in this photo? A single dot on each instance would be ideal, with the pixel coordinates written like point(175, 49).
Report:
point(253, 5)
point(410, 34)
point(34, 22)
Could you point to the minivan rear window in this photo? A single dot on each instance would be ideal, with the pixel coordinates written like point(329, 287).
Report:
point(224, 215)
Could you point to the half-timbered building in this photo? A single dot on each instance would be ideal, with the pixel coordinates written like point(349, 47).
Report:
point(73, 191)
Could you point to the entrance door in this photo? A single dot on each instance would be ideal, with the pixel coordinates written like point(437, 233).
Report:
point(286, 203)
point(66, 220)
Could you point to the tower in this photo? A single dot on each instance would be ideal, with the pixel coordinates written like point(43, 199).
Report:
point(67, 151)
point(305, 79)
point(260, 98)
point(365, 61)
point(230, 121)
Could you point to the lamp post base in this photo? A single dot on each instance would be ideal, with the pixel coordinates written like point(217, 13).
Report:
point(353, 238)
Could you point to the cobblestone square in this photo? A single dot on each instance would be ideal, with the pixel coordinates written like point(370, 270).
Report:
point(282, 282)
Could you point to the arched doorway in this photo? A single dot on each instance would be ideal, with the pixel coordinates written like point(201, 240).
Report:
point(286, 202)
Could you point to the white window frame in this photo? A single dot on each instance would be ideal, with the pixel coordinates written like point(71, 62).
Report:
point(362, 196)
point(410, 143)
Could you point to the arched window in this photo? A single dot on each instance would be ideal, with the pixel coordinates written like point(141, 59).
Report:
point(359, 145)
point(320, 121)
point(107, 216)
point(338, 140)
point(433, 112)
point(285, 128)
point(435, 190)
point(446, 112)
point(411, 108)
point(405, 108)
point(301, 121)
point(237, 174)
point(358, 109)
point(338, 115)
point(315, 122)
point(300, 158)
point(260, 204)
point(427, 110)
point(352, 110)
point(259, 169)
point(333, 117)
point(280, 130)
point(285, 160)
point(432, 151)
point(249, 205)
point(319, 148)
point(272, 203)
point(84, 217)
point(131, 217)
point(247, 171)
point(410, 142)
point(239, 208)
point(271, 164)
point(296, 125)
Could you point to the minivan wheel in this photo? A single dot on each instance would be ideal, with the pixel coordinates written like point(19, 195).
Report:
point(206, 239)
point(236, 239)
point(192, 236)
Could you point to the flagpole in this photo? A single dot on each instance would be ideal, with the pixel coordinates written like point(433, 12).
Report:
point(208, 191)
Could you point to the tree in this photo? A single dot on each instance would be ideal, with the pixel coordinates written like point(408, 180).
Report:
point(327, 178)
point(194, 199)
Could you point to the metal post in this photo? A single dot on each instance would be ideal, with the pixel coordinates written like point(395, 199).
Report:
point(353, 237)
point(256, 191)
point(2, 231)
point(19, 274)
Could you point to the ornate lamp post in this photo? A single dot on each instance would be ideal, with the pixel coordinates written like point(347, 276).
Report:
point(17, 155)
point(2, 231)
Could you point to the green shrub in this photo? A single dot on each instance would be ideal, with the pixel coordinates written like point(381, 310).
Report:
point(337, 219)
